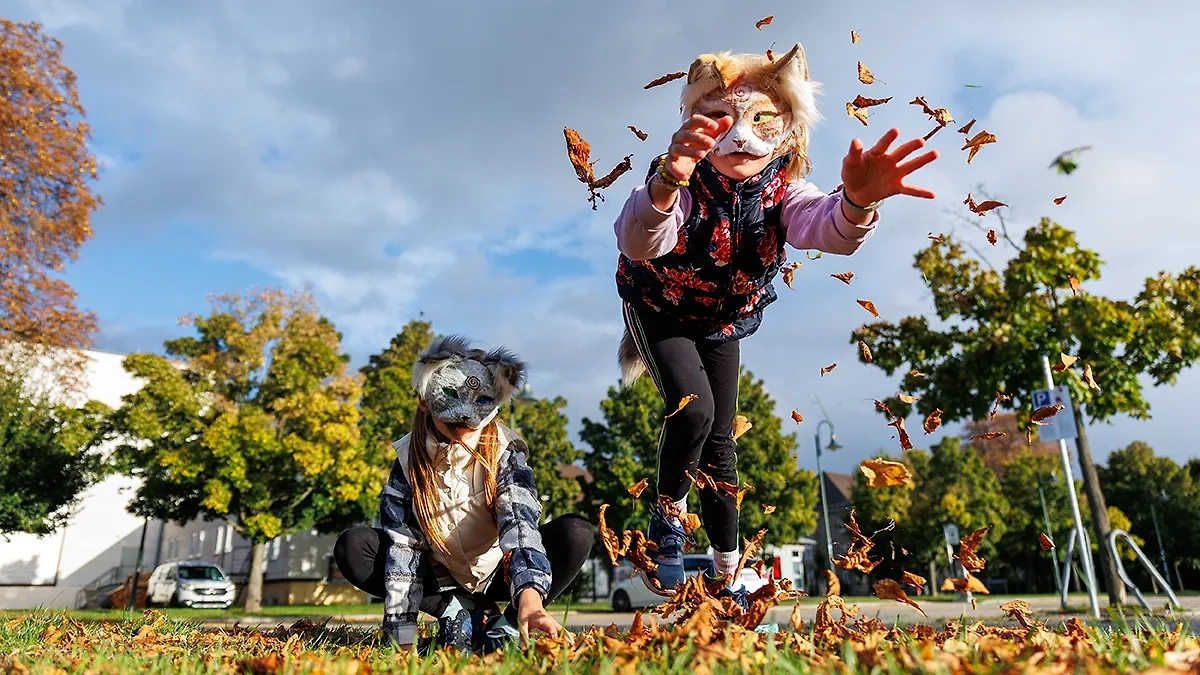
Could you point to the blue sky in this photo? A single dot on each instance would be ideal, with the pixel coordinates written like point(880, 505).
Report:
point(399, 159)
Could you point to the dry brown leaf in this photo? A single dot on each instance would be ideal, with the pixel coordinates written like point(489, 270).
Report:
point(973, 604)
point(611, 177)
point(933, 421)
point(870, 307)
point(905, 443)
point(939, 115)
point(1044, 413)
point(741, 424)
point(690, 522)
point(1089, 378)
point(843, 277)
point(905, 398)
point(888, 589)
point(683, 403)
point(1000, 398)
point(770, 56)
point(884, 473)
point(639, 487)
point(861, 101)
point(1045, 542)
point(859, 113)
point(828, 369)
point(864, 74)
point(966, 552)
point(910, 579)
point(639, 133)
point(768, 509)
point(579, 152)
point(931, 133)
point(966, 128)
point(1060, 200)
point(991, 237)
point(1074, 284)
point(797, 417)
point(664, 79)
point(636, 551)
point(751, 548)
point(983, 208)
point(832, 585)
point(978, 141)
point(789, 273)
point(854, 37)
point(937, 238)
point(988, 436)
point(612, 544)
point(916, 373)
point(866, 352)
point(763, 22)
point(734, 491)
point(970, 583)
point(1064, 361)
point(882, 407)
point(701, 480)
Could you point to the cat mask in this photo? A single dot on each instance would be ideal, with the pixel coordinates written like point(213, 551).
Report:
point(462, 386)
point(772, 103)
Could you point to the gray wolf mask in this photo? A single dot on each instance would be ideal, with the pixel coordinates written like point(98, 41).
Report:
point(462, 386)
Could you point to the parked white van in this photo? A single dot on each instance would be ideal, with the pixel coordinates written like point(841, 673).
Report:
point(190, 584)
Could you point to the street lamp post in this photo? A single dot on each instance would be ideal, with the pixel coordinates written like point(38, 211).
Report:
point(1162, 554)
point(833, 445)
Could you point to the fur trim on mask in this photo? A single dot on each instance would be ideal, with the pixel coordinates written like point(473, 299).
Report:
point(508, 371)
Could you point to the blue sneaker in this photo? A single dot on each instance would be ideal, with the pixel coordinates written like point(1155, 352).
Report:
point(740, 595)
point(670, 539)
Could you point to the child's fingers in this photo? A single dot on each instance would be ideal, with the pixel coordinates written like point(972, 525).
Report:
point(854, 155)
point(678, 150)
point(916, 163)
point(914, 191)
point(700, 123)
point(882, 146)
point(694, 139)
point(906, 149)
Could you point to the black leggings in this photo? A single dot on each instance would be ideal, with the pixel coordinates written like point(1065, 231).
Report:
point(361, 555)
point(700, 435)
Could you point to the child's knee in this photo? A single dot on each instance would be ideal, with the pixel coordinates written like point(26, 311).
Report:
point(696, 417)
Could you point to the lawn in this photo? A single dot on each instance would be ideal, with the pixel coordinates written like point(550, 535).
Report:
point(54, 642)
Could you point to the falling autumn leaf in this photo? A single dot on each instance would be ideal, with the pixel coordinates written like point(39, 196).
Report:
point(768, 509)
point(1000, 398)
point(970, 583)
point(916, 373)
point(741, 424)
point(937, 238)
point(690, 522)
point(639, 133)
point(683, 402)
point(888, 589)
point(639, 487)
point(1044, 413)
point(910, 579)
point(810, 256)
point(966, 551)
point(988, 436)
point(905, 398)
point(832, 585)
point(701, 479)
point(612, 544)
point(789, 273)
point(932, 131)
point(828, 369)
point(859, 113)
point(861, 101)
point(1074, 284)
point(797, 417)
point(884, 473)
point(933, 421)
point(854, 37)
point(1045, 542)
point(844, 277)
point(864, 74)
point(982, 208)
point(866, 352)
point(882, 407)
point(1064, 362)
point(870, 307)
point(976, 142)
point(579, 152)
point(1060, 200)
point(991, 237)
point(966, 128)
point(939, 115)
point(905, 443)
point(770, 56)
point(1088, 378)
point(611, 177)
point(664, 79)
point(763, 22)
point(1019, 610)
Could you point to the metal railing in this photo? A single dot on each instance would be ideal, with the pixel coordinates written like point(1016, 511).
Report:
point(1116, 558)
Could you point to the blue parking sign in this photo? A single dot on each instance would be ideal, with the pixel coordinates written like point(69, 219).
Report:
point(1062, 425)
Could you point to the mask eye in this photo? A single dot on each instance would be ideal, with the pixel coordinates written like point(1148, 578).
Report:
point(761, 117)
point(715, 114)
point(450, 393)
point(484, 400)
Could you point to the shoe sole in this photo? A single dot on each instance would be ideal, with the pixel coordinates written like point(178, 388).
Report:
point(652, 586)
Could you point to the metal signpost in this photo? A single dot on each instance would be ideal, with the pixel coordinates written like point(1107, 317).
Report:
point(1060, 428)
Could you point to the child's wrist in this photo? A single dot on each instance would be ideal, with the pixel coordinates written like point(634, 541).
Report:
point(666, 178)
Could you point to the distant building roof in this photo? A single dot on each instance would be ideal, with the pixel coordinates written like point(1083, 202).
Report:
point(574, 471)
point(838, 487)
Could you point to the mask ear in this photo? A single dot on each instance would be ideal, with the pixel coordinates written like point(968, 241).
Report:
point(441, 352)
point(704, 71)
point(508, 372)
point(794, 59)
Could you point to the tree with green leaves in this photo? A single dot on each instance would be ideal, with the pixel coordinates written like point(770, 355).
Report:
point(49, 456)
point(997, 325)
point(542, 424)
point(388, 398)
point(622, 450)
point(254, 420)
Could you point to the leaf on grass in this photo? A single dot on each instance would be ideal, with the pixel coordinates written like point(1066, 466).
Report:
point(768, 509)
point(888, 589)
point(789, 273)
point(683, 403)
point(797, 417)
point(866, 352)
point(1064, 361)
point(988, 436)
point(828, 369)
point(664, 79)
point(870, 307)
point(976, 142)
point(884, 473)
point(763, 22)
point(905, 443)
point(1060, 200)
point(741, 424)
point(1019, 610)
point(1074, 284)
point(832, 585)
point(639, 133)
point(966, 128)
point(1044, 413)
point(854, 37)
point(864, 74)
point(910, 579)
point(905, 398)
point(933, 421)
point(843, 277)
point(966, 552)
point(639, 487)
point(1045, 542)
point(982, 208)
point(1089, 378)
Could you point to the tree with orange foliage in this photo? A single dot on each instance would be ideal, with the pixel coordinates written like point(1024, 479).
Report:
point(997, 452)
point(46, 198)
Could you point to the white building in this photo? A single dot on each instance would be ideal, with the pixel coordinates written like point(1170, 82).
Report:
point(100, 543)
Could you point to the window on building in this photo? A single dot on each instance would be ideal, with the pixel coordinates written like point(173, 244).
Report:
point(220, 542)
point(275, 543)
point(202, 535)
point(229, 538)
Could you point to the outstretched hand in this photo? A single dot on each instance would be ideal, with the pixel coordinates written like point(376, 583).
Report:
point(876, 174)
point(696, 137)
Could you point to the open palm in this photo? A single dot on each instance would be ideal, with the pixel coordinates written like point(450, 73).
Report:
point(876, 174)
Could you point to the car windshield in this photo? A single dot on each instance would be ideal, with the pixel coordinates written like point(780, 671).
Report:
point(203, 573)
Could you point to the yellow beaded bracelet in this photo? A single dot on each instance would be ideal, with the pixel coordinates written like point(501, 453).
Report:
point(667, 178)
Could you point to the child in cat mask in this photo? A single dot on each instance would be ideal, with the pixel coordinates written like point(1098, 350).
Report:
point(700, 244)
point(460, 514)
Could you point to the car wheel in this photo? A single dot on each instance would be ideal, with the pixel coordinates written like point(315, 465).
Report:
point(174, 601)
point(620, 602)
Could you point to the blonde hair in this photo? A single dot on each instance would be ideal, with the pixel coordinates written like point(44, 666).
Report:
point(422, 473)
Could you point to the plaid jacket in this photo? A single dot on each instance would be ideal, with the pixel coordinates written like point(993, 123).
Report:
point(518, 512)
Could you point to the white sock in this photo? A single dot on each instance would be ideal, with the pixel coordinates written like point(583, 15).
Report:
point(682, 506)
point(727, 563)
